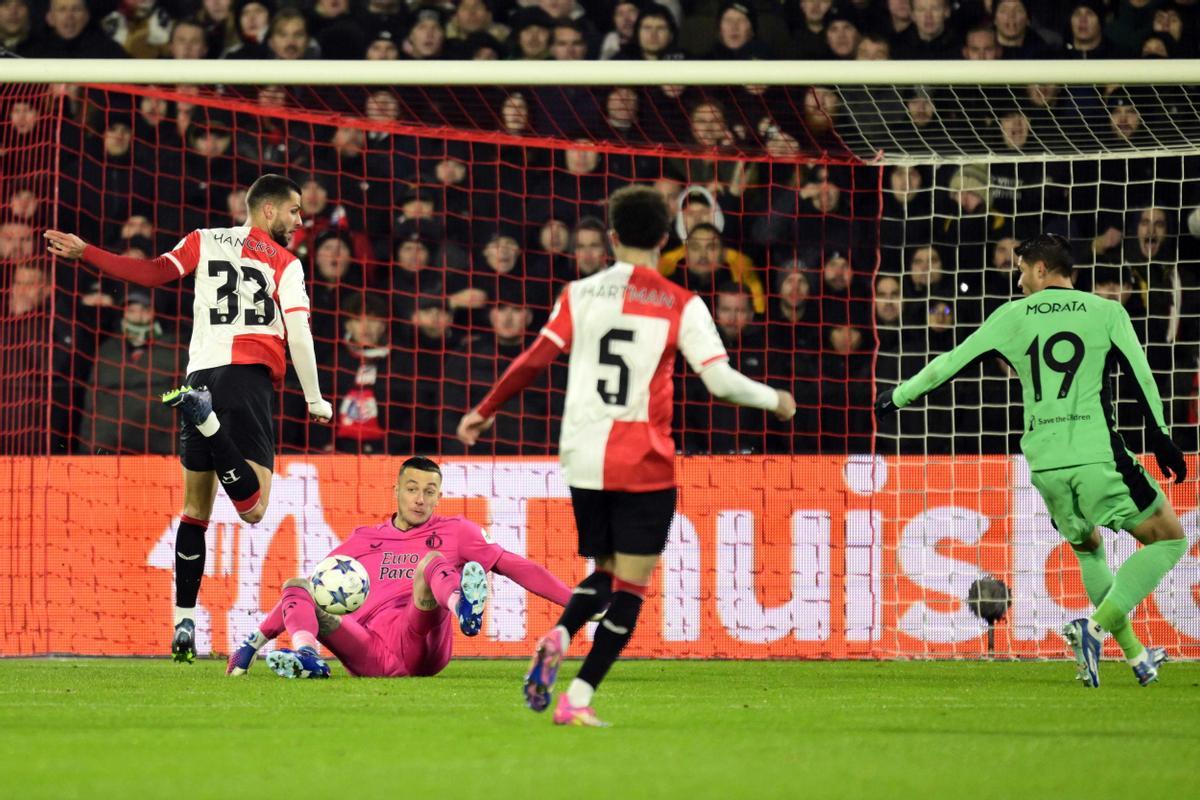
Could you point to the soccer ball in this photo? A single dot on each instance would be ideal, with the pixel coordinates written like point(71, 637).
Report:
point(340, 585)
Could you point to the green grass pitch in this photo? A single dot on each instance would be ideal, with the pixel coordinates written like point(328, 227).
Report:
point(100, 728)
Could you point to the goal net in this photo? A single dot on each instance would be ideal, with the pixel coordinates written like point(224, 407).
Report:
point(842, 236)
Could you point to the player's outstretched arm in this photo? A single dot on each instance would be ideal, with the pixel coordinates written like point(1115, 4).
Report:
point(1158, 435)
point(726, 383)
point(144, 271)
point(304, 359)
point(519, 374)
point(988, 339)
point(705, 353)
point(293, 300)
point(532, 577)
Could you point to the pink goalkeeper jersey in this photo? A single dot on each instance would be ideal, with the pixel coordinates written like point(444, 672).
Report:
point(391, 555)
point(622, 327)
point(245, 283)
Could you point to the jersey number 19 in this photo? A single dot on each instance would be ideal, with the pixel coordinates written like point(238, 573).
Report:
point(1037, 354)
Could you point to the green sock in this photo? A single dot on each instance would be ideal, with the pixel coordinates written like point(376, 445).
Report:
point(1098, 581)
point(1136, 578)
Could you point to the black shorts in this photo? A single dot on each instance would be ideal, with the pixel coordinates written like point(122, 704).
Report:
point(244, 399)
point(636, 523)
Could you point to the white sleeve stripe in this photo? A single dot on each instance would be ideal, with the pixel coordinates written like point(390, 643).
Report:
point(178, 266)
point(554, 337)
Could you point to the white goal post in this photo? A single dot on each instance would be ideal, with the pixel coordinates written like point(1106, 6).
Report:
point(600, 73)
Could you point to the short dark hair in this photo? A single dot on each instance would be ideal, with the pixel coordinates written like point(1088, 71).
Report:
point(185, 22)
point(270, 187)
point(697, 198)
point(639, 215)
point(701, 227)
point(1051, 249)
point(419, 463)
point(589, 224)
point(361, 304)
point(732, 287)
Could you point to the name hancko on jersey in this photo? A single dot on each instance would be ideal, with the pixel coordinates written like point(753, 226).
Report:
point(262, 247)
point(1055, 308)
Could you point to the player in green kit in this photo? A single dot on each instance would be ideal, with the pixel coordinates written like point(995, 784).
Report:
point(1063, 344)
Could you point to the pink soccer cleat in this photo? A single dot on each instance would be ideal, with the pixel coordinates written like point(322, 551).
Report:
point(543, 669)
point(567, 714)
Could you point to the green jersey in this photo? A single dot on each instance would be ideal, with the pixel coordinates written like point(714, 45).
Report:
point(1063, 344)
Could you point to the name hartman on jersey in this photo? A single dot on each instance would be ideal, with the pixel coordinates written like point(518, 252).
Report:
point(262, 247)
point(1055, 308)
point(631, 294)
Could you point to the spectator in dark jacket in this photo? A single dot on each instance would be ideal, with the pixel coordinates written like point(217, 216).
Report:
point(70, 34)
point(121, 413)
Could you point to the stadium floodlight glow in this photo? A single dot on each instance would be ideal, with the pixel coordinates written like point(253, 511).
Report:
point(599, 73)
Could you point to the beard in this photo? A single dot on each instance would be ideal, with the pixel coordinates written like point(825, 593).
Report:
point(280, 235)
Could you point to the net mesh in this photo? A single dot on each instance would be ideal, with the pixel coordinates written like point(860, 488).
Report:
point(451, 219)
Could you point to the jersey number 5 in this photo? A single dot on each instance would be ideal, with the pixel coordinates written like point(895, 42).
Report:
point(1068, 368)
point(262, 307)
point(619, 396)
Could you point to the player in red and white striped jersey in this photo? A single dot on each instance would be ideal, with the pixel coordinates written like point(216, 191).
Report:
point(622, 328)
point(250, 300)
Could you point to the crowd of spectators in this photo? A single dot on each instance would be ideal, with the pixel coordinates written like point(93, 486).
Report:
point(433, 260)
point(599, 29)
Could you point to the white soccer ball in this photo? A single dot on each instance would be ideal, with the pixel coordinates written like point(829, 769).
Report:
point(340, 584)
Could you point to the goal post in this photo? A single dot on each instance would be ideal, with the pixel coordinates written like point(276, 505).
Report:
point(865, 214)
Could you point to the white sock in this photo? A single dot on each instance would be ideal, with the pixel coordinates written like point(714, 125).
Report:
point(210, 425)
point(1095, 628)
point(579, 694)
point(184, 613)
point(566, 636)
point(1142, 656)
point(257, 640)
point(452, 601)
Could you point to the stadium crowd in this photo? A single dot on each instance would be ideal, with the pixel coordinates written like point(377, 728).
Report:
point(433, 260)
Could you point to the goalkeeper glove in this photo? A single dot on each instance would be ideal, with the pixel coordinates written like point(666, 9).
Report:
point(1169, 456)
point(320, 409)
point(884, 405)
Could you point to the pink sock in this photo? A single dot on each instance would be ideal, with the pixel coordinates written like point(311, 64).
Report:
point(299, 616)
point(304, 639)
point(443, 579)
point(273, 625)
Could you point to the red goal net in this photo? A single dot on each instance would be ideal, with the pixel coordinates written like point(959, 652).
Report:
point(439, 225)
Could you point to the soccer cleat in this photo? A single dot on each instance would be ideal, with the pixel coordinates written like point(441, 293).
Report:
point(242, 659)
point(539, 681)
point(302, 663)
point(473, 595)
point(1086, 646)
point(1146, 668)
point(567, 714)
point(183, 646)
point(194, 403)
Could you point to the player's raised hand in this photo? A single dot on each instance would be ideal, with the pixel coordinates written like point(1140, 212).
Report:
point(320, 410)
point(787, 405)
point(1169, 456)
point(64, 245)
point(884, 405)
point(471, 426)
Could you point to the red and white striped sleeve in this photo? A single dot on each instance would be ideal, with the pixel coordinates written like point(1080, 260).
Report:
point(559, 328)
point(292, 294)
point(186, 255)
point(699, 341)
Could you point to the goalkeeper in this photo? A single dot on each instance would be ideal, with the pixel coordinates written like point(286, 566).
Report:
point(1063, 344)
point(425, 570)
